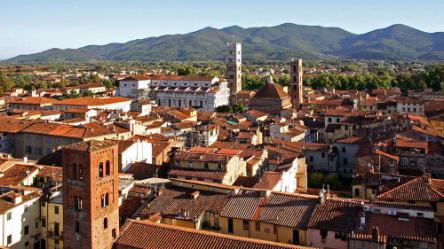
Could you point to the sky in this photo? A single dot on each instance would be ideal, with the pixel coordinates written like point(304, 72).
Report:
point(30, 26)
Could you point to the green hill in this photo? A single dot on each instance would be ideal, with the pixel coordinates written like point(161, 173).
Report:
point(261, 43)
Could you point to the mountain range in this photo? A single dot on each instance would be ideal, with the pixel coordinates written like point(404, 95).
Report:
point(397, 42)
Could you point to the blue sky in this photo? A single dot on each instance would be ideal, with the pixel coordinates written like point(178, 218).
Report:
point(28, 26)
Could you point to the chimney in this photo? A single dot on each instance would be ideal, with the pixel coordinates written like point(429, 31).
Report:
point(195, 194)
point(25, 159)
point(375, 233)
point(322, 195)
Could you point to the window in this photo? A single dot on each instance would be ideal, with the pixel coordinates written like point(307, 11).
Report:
point(43, 222)
point(107, 168)
point(258, 226)
point(311, 158)
point(56, 229)
point(29, 149)
point(105, 223)
point(324, 233)
point(26, 229)
point(219, 166)
point(245, 224)
point(78, 203)
point(80, 172)
point(338, 120)
point(9, 216)
point(323, 154)
point(343, 149)
point(56, 209)
point(357, 192)
point(9, 240)
point(101, 169)
point(206, 165)
point(329, 120)
point(230, 225)
point(36, 224)
point(345, 161)
point(420, 214)
point(114, 233)
point(105, 200)
point(77, 227)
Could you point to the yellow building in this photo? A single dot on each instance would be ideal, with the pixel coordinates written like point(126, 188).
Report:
point(52, 221)
point(207, 164)
point(267, 216)
point(437, 122)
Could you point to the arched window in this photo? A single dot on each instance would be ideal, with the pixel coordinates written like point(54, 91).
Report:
point(108, 168)
point(105, 223)
point(100, 169)
point(104, 200)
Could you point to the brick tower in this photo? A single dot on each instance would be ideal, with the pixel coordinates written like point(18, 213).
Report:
point(90, 195)
point(296, 83)
point(234, 69)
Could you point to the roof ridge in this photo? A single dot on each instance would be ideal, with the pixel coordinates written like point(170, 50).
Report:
point(399, 186)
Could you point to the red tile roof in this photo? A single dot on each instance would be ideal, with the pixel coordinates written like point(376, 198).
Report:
point(268, 180)
point(148, 235)
point(417, 189)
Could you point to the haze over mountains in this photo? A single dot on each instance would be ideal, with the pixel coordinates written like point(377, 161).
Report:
point(397, 42)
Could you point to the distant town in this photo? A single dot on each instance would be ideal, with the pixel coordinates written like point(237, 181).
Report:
point(344, 154)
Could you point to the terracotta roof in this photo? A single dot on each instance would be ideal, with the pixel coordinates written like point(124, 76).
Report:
point(141, 170)
point(91, 145)
point(12, 125)
point(411, 143)
point(391, 227)
point(337, 215)
point(290, 210)
point(179, 203)
point(243, 205)
point(201, 157)
point(32, 101)
point(417, 189)
point(350, 140)
point(388, 155)
point(53, 172)
point(92, 101)
point(268, 180)
point(16, 174)
point(213, 175)
point(148, 235)
point(270, 90)
point(137, 77)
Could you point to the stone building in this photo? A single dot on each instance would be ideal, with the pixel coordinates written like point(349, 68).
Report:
point(296, 86)
point(270, 98)
point(234, 69)
point(90, 195)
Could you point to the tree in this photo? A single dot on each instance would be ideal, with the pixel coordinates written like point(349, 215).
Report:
point(108, 84)
point(88, 93)
point(223, 109)
point(6, 83)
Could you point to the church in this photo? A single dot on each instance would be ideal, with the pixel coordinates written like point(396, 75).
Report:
point(271, 98)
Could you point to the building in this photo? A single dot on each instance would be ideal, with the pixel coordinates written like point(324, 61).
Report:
point(52, 220)
point(103, 103)
point(90, 195)
point(31, 103)
point(410, 106)
point(19, 218)
point(204, 93)
point(234, 69)
point(296, 83)
point(134, 86)
point(270, 98)
point(209, 164)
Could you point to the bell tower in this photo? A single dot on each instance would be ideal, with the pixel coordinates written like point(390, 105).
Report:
point(296, 83)
point(90, 195)
point(234, 69)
